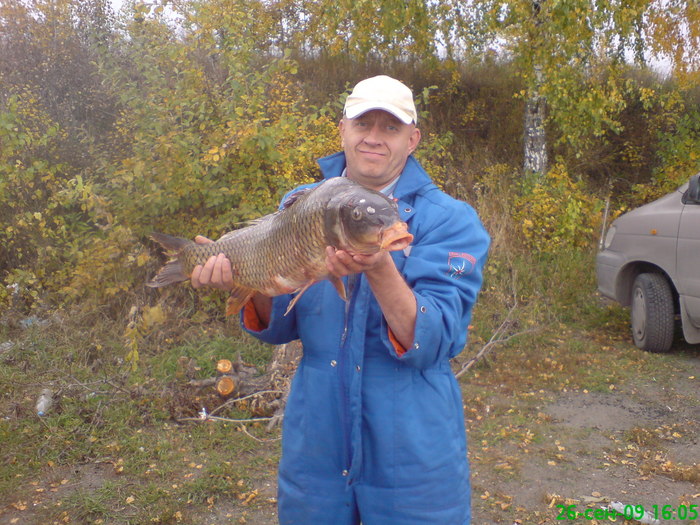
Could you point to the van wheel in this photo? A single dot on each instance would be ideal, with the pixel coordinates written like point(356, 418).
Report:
point(652, 313)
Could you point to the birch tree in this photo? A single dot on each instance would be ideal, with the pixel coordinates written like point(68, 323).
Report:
point(573, 55)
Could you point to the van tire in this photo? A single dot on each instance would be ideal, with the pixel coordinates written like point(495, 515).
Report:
point(652, 313)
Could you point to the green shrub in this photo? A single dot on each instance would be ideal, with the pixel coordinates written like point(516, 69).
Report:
point(556, 212)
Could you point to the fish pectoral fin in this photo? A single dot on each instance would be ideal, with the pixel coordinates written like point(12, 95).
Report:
point(240, 295)
point(298, 295)
point(339, 286)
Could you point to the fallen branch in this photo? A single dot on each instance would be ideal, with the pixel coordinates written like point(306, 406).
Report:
point(203, 383)
point(263, 397)
point(245, 431)
point(487, 348)
point(206, 417)
point(238, 399)
point(497, 337)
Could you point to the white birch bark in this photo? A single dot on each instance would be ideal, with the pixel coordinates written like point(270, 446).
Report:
point(535, 140)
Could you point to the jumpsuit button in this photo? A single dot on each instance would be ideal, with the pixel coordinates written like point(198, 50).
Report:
point(407, 210)
point(334, 362)
point(358, 368)
point(416, 346)
point(345, 473)
point(423, 309)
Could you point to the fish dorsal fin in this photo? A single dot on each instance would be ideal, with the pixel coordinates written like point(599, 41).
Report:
point(264, 218)
point(294, 197)
point(253, 222)
point(227, 235)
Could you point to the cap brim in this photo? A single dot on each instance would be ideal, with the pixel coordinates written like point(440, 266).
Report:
point(359, 109)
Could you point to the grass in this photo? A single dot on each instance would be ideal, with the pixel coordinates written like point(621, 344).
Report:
point(152, 469)
point(568, 342)
point(110, 451)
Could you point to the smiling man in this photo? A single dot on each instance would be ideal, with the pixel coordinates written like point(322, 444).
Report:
point(374, 428)
point(377, 142)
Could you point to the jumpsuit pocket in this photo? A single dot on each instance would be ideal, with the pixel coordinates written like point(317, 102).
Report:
point(431, 454)
point(312, 445)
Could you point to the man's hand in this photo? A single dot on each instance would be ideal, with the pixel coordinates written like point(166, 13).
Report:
point(216, 272)
point(394, 296)
point(340, 263)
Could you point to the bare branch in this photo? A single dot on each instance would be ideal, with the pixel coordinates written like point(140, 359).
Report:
point(236, 400)
point(498, 336)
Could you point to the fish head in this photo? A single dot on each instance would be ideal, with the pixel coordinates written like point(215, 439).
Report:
point(368, 222)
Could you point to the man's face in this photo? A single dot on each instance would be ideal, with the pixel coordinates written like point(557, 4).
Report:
point(376, 146)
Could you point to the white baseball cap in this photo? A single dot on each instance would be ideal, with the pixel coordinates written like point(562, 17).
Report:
point(381, 92)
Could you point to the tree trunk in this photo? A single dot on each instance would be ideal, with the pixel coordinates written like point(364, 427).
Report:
point(535, 140)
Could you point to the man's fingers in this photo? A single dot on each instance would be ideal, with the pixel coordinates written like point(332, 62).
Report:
point(226, 273)
point(330, 255)
point(217, 271)
point(197, 278)
point(345, 261)
point(333, 263)
point(207, 270)
point(340, 263)
point(194, 278)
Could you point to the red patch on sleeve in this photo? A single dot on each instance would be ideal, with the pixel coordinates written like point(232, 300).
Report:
point(460, 264)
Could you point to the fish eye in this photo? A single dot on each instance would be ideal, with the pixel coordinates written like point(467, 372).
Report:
point(356, 214)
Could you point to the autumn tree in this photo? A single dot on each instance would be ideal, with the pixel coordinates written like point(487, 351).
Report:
point(217, 127)
point(574, 56)
point(191, 117)
point(55, 115)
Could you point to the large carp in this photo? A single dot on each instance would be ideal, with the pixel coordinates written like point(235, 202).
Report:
point(285, 252)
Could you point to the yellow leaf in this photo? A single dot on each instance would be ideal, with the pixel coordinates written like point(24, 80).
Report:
point(153, 315)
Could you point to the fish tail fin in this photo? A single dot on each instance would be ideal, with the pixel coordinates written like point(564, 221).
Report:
point(173, 271)
point(173, 245)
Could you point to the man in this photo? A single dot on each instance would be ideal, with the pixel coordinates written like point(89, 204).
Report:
point(374, 426)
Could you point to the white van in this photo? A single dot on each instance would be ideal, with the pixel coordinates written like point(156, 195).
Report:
point(650, 260)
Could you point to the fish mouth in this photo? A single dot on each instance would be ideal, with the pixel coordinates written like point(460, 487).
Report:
point(395, 237)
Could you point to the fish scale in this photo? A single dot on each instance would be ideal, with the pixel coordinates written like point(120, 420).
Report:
point(285, 252)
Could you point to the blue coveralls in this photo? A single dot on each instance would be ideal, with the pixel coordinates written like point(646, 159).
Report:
point(373, 431)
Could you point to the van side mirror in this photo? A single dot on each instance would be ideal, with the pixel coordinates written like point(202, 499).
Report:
point(692, 194)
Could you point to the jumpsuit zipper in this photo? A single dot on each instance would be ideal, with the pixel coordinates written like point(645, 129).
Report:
point(346, 420)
